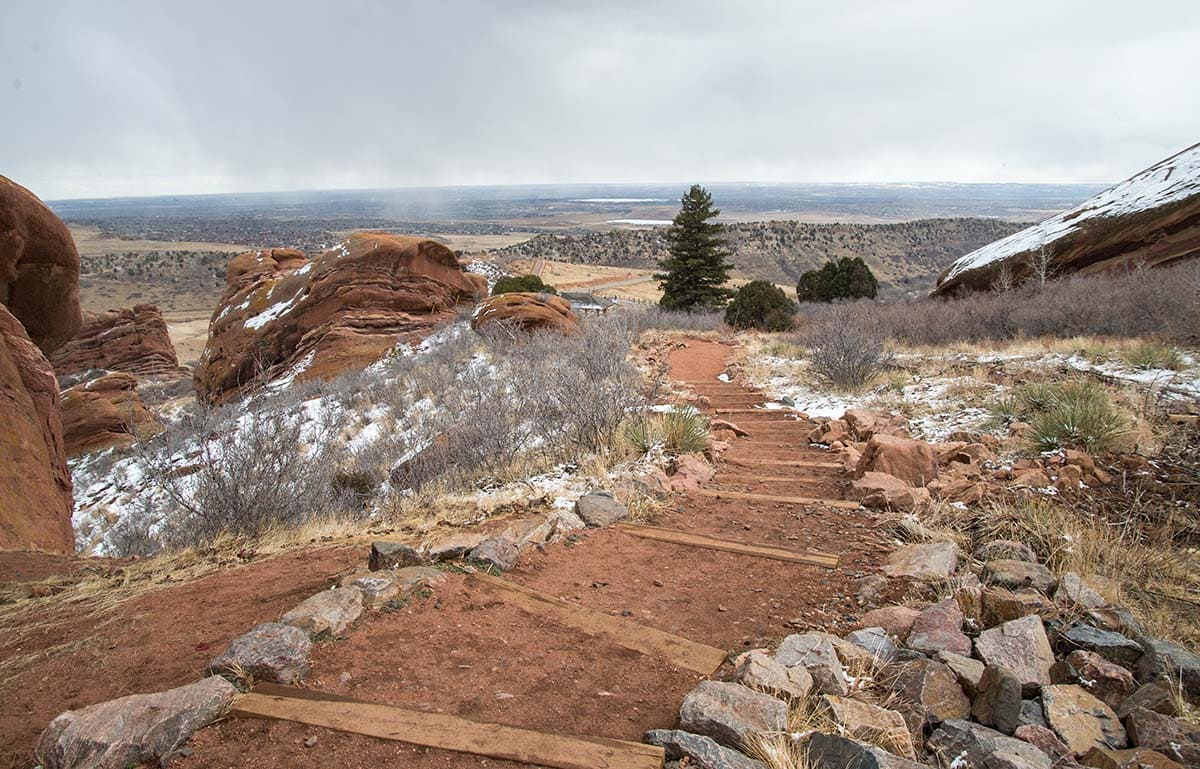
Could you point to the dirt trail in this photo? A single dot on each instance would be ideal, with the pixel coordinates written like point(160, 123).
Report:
point(457, 652)
point(466, 654)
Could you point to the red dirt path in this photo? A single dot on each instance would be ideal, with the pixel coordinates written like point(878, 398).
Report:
point(461, 653)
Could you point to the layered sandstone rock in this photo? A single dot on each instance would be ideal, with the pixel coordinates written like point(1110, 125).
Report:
point(105, 412)
point(39, 268)
point(284, 316)
point(35, 486)
point(133, 340)
point(529, 312)
point(1150, 219)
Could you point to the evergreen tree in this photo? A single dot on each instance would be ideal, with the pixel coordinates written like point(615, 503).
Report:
point(847, 278)
point(761, 305)
point(694, 274)
point(527, 283)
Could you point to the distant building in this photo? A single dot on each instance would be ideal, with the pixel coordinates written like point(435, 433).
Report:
point(588, 304)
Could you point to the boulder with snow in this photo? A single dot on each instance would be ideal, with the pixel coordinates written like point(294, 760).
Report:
point(105, 412)
point(133, 340)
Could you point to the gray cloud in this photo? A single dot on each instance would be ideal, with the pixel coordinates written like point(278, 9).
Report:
point(149, 97)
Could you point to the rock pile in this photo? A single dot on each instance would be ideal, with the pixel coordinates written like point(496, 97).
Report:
point(1018, 669)
point(284, 316)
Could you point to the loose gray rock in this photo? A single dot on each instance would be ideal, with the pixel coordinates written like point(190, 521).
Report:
point(998, 703)
point(1004, 550)
point(816, 654)
point(327, 613)
point(876, 641)
point(702, 751)
point(393, 555)
point(1073, 591)
point(1011, 574)
point(762, 672)
point(928, 561)
point(1169, 659)
point(598, 508)
point(1112, 646)
point(1032, 714)
point(731, 713)
point(377, 588)
point(829, 751)
point(268, 652)
point(975, 745)
point(500, 553)
point(968, 671)
point(132, 730)
point(1019, 645)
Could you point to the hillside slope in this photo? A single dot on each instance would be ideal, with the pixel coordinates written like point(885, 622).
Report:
point(1152, 217)
point(904, 256)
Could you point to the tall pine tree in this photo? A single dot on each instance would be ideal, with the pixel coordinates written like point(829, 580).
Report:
point(693, 277)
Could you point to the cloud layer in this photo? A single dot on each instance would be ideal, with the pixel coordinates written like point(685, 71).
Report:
point(136, 97)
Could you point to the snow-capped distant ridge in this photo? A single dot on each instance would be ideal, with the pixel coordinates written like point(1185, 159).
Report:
point(1168, 182)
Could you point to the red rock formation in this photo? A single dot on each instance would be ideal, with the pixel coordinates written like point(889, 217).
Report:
point(104, 412)
point(35, 486)
point(529, 312)
point(282, 315)
point(1150, 219)
point(131, 340)
point(39, 268)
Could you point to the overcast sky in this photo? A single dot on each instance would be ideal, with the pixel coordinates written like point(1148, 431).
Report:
point(138, 98)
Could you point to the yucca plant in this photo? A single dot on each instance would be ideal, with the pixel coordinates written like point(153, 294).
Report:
point(1153, 355)
point(676, 431)
point(1081, 416)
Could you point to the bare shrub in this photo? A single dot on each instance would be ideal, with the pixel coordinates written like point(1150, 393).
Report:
point(657, 319)
point(846, 348)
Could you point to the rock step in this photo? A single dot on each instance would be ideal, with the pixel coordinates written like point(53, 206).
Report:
point(437, 730)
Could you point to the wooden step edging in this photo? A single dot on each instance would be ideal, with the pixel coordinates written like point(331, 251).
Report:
point(785, 410)
point(437, 730)
point(688, 539)
point(845, 504)
point(627, 633)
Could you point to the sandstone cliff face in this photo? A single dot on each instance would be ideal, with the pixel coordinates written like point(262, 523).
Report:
point(105, 412)
point(35, 486)
point(132, 340)
point(529, 312)
point(39, 268)
point(39, 311)
point(285, 316)
point(1150, 219)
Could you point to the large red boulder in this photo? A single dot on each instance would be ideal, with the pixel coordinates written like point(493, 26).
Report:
point(911, 461)
point(105, 412)
point(527, 311)
point(39, 268)
point(1151, 218)
point(284, 316)
point(133, 340)
point(35, 486)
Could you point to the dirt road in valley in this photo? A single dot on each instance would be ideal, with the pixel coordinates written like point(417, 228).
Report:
point(459, 651)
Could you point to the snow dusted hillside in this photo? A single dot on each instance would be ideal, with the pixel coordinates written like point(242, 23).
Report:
point(1136, 219)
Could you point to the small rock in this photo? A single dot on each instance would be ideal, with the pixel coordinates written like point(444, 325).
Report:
point(762, 672)
point(968, 671)
point(1013, 574)
point(998, 703)
point(731, 713)
point(932, 689)
point(939, 628)
point(599, 508)
point(815, 653)
point(1172, 660)
point(702, 752)
point(500, 553)
point(1073, 591)
point(870, 723)
point(1112, 646)
point(132, 730)
point(1111, 683)
point(328, 613)
point(895, 620)
point(1032, 713)
point(1000, 605)
point(868, 588)
point(1004, 550)
point(874, 640)
point(1173, 737)
point(829, 751)
point(392, 555)
point(377, 588)
point(311, 742)
point(1020, 646)
point(1116, 618)
point(268, 652)
point(1156, 696)
point(975, 745)
point(929, 561)
point(1081, 720)
point(1130, 758)
point(1045, 740)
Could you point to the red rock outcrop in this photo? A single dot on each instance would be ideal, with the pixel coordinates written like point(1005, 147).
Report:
point(133, 340)
point(35, 486)
point(1152, 218)
point(39, 268)
point(282, 315)
point(529, 312)
point(105, 412)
